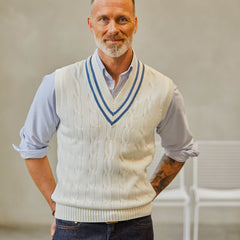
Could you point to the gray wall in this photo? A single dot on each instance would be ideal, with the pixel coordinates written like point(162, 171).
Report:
point(196, 43)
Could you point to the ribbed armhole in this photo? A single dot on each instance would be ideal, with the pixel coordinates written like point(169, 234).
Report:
point(168, 98)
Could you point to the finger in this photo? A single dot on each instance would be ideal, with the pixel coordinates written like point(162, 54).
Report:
point(52, 231)
point(53, 227)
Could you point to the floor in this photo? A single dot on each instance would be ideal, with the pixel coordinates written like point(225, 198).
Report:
point(161, 231)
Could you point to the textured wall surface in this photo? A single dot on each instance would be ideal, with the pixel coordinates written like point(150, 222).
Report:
point(196, 43)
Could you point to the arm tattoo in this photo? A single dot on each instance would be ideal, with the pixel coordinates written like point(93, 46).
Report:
point(165, 172)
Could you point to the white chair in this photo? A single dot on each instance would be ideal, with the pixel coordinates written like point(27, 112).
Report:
point(175, 194)
point(216, 176)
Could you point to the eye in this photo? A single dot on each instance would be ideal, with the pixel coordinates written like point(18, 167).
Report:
point(103, 19)
point(122, 20)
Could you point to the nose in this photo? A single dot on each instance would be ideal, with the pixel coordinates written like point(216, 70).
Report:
point(113, 27)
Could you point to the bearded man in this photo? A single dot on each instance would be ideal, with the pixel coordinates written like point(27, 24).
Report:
point(105, 110)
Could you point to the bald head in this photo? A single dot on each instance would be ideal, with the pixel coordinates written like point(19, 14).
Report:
point(133, 2)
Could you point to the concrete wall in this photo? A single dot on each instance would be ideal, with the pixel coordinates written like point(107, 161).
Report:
point(196, 43)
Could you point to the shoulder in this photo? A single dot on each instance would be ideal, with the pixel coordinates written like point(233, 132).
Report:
point(69, 75)
point(178, 100)
point(46, 88)
point(48, 80)
point(158, 80)
point(71, 68)
point(157, 76)
point(162, 85)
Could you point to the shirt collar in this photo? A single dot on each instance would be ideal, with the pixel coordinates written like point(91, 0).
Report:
point(104, 70)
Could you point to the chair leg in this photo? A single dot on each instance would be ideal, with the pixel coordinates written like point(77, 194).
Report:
point(196, 220)
point(187, 222)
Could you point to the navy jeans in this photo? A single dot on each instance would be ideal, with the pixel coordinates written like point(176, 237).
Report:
point(135, 229)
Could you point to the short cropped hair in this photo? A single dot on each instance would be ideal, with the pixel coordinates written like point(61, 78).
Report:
point(133, 1)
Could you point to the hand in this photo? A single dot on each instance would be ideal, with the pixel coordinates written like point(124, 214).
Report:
point(53, 227)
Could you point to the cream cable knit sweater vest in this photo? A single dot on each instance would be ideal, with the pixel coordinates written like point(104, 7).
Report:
point(105, 144)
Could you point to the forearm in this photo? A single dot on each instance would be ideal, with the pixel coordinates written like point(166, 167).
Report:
point(42, 175)
point(165, 172)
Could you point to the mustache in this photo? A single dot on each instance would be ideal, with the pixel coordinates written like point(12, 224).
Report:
point(114, 37)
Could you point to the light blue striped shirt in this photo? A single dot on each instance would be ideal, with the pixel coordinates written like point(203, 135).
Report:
point(42, 120)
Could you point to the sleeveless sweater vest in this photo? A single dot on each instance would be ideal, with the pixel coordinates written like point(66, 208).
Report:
point(105, 144)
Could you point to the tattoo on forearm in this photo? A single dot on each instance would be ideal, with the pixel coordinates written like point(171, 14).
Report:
point(165, 172)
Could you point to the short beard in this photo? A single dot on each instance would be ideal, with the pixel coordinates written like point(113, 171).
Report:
point(113, 51)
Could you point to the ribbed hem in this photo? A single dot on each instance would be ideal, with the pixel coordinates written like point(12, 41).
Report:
point(93, 215)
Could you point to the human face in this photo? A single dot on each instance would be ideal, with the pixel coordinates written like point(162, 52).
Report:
point(113, 24)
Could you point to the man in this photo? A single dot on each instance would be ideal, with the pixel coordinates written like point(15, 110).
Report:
point(105, 110)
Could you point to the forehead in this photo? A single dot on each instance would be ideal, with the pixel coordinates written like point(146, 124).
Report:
point(114, 6)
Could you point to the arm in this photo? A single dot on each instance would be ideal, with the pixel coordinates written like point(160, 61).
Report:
point(165, 172)
point(39, 127)
point(177, 142)
point(42, 175)
point(41, 123)
point(176, 137)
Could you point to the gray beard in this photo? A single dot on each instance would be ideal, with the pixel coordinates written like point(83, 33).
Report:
point(113, 51)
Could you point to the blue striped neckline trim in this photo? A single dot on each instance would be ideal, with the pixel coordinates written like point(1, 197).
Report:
point(101, 95)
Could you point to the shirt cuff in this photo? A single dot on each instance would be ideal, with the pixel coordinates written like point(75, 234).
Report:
point(183, 154)
point(29, 153)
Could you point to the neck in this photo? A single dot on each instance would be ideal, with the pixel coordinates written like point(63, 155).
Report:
point(116, 66)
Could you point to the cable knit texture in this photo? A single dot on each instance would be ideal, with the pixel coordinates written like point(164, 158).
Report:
point(105, 144)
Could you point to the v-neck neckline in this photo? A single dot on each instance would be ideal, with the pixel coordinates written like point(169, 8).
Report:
point(113, 108)
point(108, 78)
point(100, 80)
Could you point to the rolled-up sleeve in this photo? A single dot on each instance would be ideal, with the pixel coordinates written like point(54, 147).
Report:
point(41, 122)
point(174, 131)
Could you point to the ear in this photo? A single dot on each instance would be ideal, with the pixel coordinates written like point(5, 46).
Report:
point(90, 24)
point(136, 24)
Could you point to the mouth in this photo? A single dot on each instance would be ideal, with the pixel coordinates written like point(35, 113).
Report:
point(113, 41)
